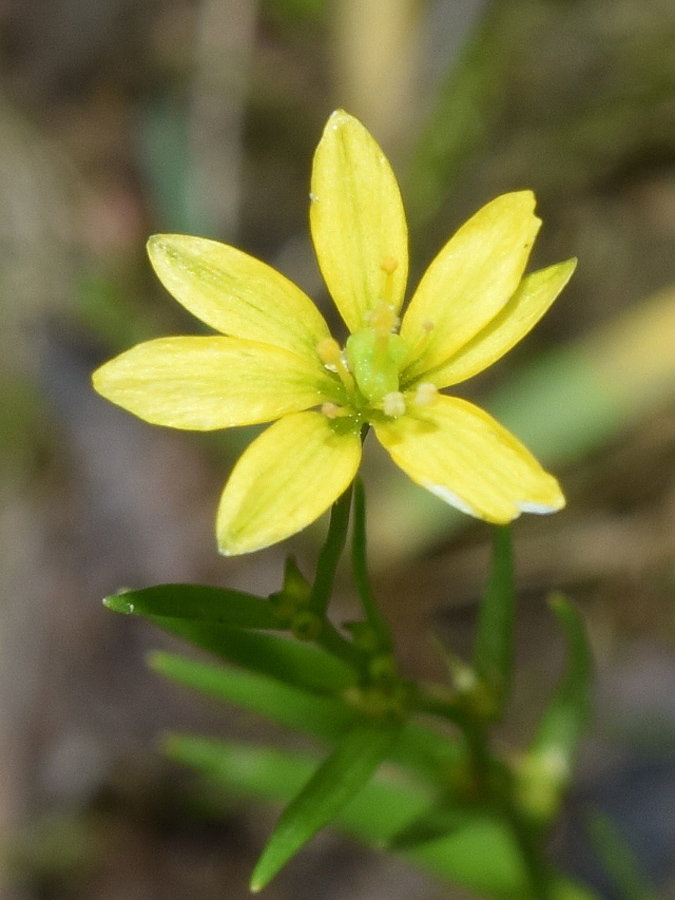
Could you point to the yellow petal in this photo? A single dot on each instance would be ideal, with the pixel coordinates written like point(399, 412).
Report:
point(522, 312)
point(470, 280)
point(285, 480)
point(357, 221)
point(236, 293)
point(466, 458)
point(204, 383)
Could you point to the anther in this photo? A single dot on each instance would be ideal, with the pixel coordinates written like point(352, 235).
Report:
point(393, 404)
point(333, 410)
point(388, 265)
point(334, 360)
point(329, 353)
point(426, 393)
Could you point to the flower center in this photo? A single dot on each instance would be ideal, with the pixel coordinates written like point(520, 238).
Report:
point(371, 363)
point(376, 353)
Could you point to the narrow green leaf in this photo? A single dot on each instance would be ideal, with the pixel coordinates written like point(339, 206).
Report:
point(420, 749)
point(493, 653)
point(564, 722)
point(428, 752)
point(481, 857)
point(195, 601)
point(283, 658)
point(322, 717)
point(437, 822)
point(334, 783)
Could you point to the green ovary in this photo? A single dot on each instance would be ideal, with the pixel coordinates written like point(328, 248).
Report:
point(375, 360)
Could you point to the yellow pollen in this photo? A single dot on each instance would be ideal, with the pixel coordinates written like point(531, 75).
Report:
point(389, 265)
point(393, 404)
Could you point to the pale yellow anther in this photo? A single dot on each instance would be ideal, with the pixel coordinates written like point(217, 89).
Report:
point(393, 404)
point(388, 266)
point(426, 393)
point(333, 411)
point(329, 353)
point(334, 360)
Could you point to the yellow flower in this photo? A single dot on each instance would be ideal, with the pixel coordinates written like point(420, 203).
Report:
point(274, 358)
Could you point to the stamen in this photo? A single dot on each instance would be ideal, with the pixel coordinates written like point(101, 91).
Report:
point(422, 343)
point(333, 410)
point(425, 394)
point(329, 353)
point(393, 404)
point(383, 320)
point(334, 360)
point(388, 265)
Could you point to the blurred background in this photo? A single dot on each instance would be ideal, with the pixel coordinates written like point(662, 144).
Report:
point(120, 118)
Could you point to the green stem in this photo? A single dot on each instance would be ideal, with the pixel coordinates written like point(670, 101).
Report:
point(437, 701)
point(331, 640)
point(529, 843)
point(489, 781)
point(360, 564)
point(330, 554)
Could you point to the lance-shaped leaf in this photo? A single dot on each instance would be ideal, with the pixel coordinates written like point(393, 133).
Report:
point(493, 652)
point(195, 601)
point(285, 659)
point(420, 748)
point(335, 782)
point(440, 820)
point(322, 717)
point(481, 857)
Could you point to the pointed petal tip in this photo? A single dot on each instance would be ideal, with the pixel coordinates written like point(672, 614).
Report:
point(103, 380)
point(156, 242)
point(543, 509)
point(338, 117)
point(96, 379)
point(357, 220)
point(158, 247)
point(225, 551)
point(526, 197)
point(523, 201)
